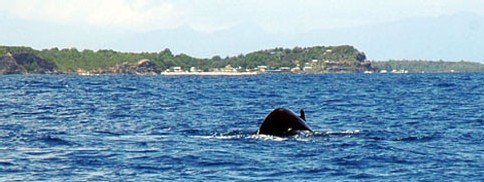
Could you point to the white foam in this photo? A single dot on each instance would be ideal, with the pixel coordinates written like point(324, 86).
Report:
point(268, 137)
point(222, 137)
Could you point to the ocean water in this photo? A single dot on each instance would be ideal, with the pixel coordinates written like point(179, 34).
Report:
point(369, 127)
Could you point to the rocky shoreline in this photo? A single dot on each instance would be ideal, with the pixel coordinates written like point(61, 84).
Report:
point(143, 67)
point(25, 63)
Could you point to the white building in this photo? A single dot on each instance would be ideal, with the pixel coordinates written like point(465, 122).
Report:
point(177, 69)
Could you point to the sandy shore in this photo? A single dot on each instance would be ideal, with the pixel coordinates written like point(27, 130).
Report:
point(209, 73)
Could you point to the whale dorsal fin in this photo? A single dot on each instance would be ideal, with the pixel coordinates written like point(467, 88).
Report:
point(303, 116)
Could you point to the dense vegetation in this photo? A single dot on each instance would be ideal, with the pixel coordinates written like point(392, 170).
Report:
point(70, 60)
point(429, 66)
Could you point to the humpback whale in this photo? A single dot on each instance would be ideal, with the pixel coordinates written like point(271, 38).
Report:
point(283, 122)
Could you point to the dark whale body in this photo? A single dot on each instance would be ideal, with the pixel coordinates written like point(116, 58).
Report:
point(283, 122)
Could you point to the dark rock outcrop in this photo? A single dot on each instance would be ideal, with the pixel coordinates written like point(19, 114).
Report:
point(34, 64)
point(143, 67)
point(8, 65)
point(146, 66)
point(25, 63)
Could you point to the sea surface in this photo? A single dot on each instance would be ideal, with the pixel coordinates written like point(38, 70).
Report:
point(369, 127)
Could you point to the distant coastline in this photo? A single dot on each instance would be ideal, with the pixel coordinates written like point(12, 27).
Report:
point(309, 60)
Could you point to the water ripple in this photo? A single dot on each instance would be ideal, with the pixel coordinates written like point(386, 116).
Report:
point(379, 127)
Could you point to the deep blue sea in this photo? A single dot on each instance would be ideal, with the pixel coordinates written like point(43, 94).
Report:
point(369, 127)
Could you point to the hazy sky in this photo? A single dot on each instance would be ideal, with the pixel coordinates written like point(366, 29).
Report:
point(281, 17)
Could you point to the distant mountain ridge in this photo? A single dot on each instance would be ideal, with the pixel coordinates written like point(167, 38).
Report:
point(450, 38)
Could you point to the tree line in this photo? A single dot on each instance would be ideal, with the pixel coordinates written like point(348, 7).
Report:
point(418, 66)
point(72, 59)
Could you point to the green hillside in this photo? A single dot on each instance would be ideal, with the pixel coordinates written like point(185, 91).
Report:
point(71, 60)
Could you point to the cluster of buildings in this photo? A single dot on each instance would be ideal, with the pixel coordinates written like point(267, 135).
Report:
point(229, 69)
point(312, 66)
point(308, 67)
